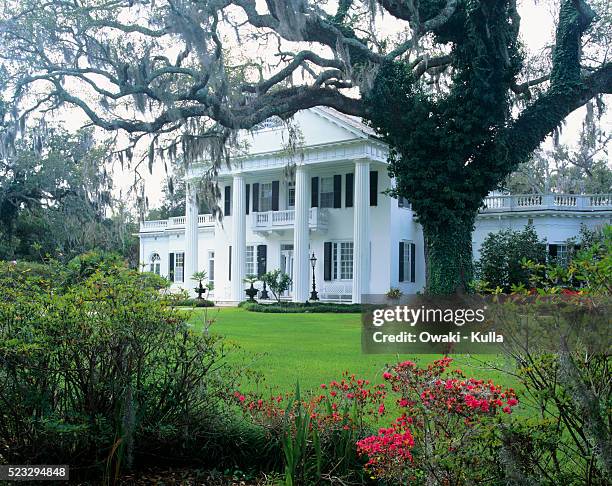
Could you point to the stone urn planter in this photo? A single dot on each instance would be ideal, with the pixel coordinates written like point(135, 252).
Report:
point(251, 291)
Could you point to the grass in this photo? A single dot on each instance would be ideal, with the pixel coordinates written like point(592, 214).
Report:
point(315, 348)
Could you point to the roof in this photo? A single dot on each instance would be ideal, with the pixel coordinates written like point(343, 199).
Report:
point(350, 122)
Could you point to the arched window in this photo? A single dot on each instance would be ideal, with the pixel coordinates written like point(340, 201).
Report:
point(155, 263)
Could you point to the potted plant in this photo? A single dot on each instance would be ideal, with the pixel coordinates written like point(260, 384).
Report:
point(251, 291)
point(200, 289)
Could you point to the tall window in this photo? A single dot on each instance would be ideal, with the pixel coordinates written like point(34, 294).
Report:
point(265, 197)
point(250, 260)
point(155, 263)
point(211, 266)
point(326, 192)
point(405, 261)
point(179, 267)
point(342, 260)
point(291, 194)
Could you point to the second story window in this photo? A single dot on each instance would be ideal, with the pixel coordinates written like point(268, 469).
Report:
point(326, 192)
point(265, 197)
point(290, 195)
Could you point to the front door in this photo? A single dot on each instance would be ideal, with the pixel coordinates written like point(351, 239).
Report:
point(286, 265)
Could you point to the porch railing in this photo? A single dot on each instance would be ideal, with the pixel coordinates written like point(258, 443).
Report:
point(535, 202)
point(175, 222)
point(268, 220)
point(336, 291)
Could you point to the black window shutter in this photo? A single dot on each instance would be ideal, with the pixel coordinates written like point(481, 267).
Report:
point(230, 264)
point(327, 260)
point(314, 192)
point(228, 201)
point(171, 267)
point(412, 262)
point(275, 186)
point(338, 191)
point(262, 256)
point(348, 195)
point(256, 197)
point(401, 261)
point(248, 197)
point(373, 188)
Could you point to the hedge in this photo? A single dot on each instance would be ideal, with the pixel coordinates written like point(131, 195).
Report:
point(193, 303)
point(296, 307)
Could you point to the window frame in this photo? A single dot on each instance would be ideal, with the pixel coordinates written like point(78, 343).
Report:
point(340, 273)
point(155, 263)
point(290, 189)
point(330, 194)
point(265, 204)
point(211, 266)
point(253, 260)
point(177, 266)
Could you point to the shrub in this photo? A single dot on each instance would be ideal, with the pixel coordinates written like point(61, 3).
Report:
point(103, 374)
point(297, 307)
point(558, 336)
point(501, 254)
point(182, 302)
point(444, 435)
point(277, 281)
point(318, 434)
point(82, 266)
point(394, 293)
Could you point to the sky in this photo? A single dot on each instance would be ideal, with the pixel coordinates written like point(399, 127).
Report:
point(537, 29)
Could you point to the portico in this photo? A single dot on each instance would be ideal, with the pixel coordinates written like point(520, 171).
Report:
point(325, 195)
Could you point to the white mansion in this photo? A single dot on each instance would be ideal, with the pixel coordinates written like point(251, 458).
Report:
point(335, 207)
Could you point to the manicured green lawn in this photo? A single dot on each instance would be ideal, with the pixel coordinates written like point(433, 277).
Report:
point(314, 348)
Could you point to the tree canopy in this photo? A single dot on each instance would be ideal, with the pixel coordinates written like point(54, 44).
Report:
point(446, 82)
point(56, 200)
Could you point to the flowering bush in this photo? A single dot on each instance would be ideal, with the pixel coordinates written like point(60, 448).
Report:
point(443, 432)
point(318, 434)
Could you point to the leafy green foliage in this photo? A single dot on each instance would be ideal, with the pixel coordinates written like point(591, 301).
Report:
point(103, 372)
point(589, 271)
point(558, 335)
point(192, 303)
point(54, 199)
point(501, 255)
point(298, 307)
point(277, 281)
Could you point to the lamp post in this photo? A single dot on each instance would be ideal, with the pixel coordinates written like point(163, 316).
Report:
point(314, 294)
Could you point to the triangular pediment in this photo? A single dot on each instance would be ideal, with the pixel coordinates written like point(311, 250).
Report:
point(315, 127)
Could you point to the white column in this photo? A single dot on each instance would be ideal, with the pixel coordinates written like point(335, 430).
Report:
point(191, 235)
point(361, 231)
point(301, 264)
point(238, 238)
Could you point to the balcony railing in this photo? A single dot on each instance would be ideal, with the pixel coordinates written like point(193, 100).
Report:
point(175, 222)
point(549, 202)
point(280, 220)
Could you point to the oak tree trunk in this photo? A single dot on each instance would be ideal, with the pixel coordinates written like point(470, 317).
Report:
point(448, 256)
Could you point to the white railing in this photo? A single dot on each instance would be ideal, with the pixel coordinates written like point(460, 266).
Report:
point(336, 291)
point(285, 219)
point(153, 225)
point(175, 222)
point(534, 202)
